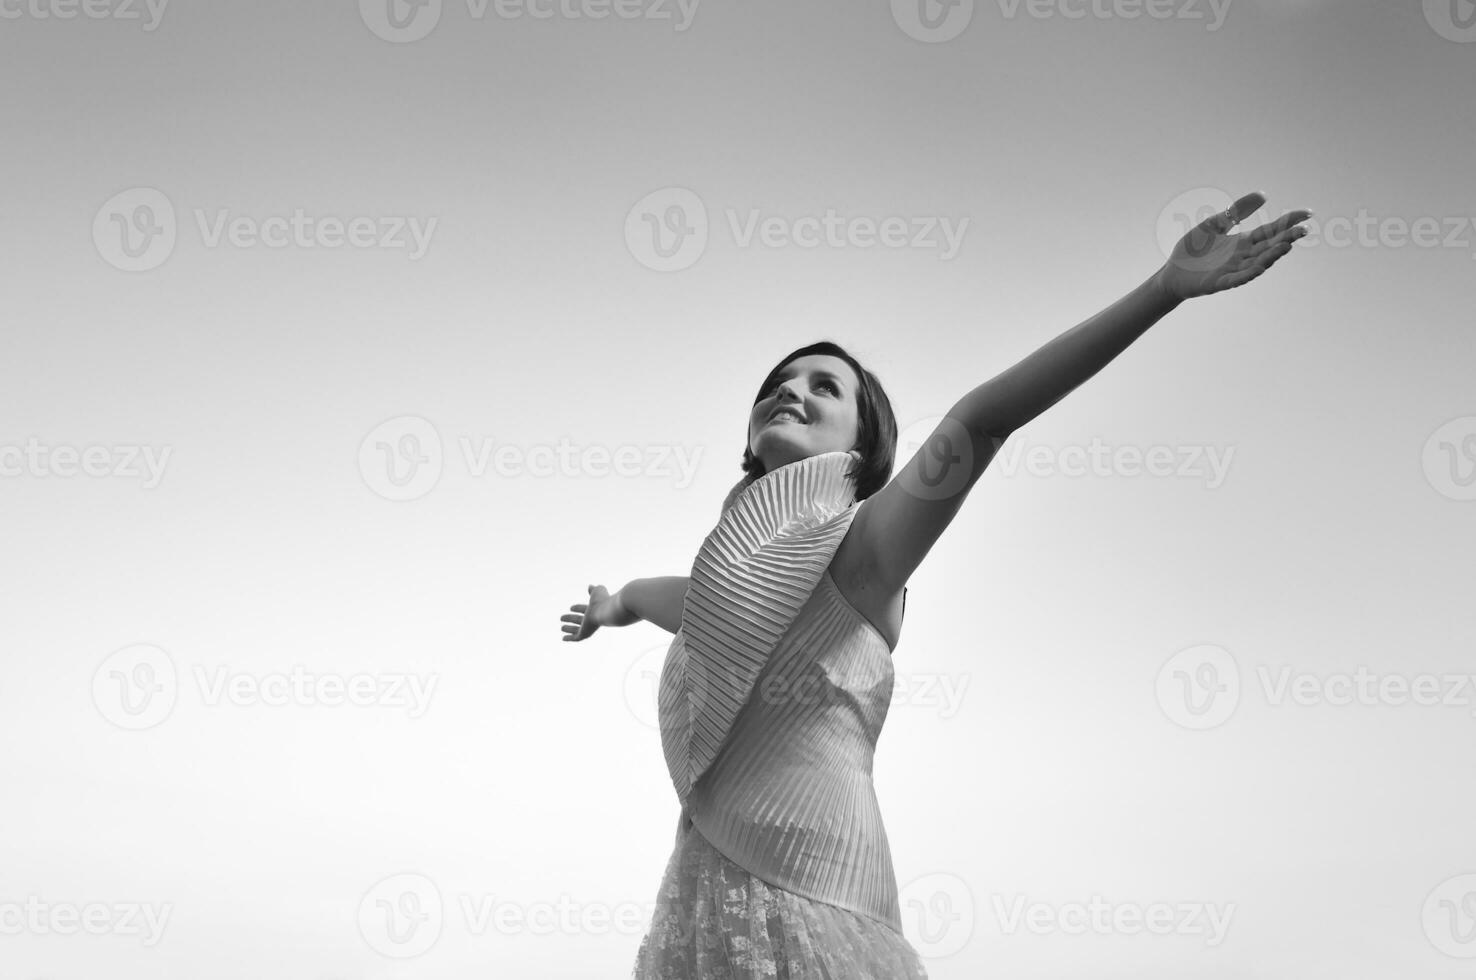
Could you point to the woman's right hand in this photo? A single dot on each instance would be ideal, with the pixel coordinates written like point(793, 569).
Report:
point(584, 618)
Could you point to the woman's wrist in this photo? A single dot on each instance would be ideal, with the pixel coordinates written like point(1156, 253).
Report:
point(1159, 284)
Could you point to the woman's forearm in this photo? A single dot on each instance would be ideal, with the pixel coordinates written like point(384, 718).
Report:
point(656, 600)
point(1004, 403)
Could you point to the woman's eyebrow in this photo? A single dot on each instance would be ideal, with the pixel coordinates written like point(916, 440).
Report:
point(820, 371)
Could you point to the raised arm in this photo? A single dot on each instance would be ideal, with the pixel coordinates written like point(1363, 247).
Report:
point(896, 527)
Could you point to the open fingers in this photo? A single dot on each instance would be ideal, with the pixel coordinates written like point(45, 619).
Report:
point(1286, 237)
point(1247, 206)
point(1265, 260)
point(1220, 224)
point(1281, 225)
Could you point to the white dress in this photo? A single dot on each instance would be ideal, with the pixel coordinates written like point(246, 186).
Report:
point(772, 698)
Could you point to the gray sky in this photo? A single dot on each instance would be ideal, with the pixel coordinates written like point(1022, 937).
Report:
point(262, 257)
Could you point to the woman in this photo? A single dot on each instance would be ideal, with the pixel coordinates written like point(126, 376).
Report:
point(778, 679)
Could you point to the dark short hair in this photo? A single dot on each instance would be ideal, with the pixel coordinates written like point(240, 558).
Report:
point(876, 425)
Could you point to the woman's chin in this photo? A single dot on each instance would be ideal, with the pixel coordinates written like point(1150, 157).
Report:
point(786, 442)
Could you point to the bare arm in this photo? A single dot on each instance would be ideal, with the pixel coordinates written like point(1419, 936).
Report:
point(898, 525)
point(1004, 403)
point(1208, 260)
point(656, 600)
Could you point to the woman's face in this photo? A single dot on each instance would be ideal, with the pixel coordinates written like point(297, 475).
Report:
point(822, 391)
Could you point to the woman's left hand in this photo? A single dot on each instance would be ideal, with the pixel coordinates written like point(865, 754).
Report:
point(1210, 259)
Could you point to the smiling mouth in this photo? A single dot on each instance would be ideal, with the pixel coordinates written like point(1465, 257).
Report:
point(786, 417)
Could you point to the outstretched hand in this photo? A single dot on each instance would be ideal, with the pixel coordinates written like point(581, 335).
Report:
point(584, 618)
point(1210, 259)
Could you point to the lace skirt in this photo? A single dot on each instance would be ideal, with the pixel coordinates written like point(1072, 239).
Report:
point(715, 921)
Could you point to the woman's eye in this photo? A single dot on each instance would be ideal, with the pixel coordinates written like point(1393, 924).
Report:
point(835, 389)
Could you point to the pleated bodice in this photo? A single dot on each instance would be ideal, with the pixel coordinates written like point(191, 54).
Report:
point(774, 693)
